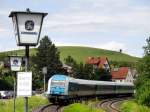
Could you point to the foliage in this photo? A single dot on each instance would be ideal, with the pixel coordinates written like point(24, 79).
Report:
point(6, 80)
point(84, 71)
point(37, 77)
point(143, 81)
point(147, 47)
point(101, 74)
point(34, 102)
point(81, 71)
point(7, 83)
point(117, 64)
point(47, 56)
point(132, 106)
point(77, 107)
point(70, 61)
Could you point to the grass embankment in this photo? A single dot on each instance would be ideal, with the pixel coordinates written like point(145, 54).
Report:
point(33, 102)
point(78, 107)
point(132, 106)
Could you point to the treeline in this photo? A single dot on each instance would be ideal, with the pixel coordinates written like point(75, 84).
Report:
point(117, 64)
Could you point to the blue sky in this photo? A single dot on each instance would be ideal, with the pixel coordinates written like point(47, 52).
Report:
point(107, 24)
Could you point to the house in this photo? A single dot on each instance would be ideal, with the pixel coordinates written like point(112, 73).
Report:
point(122, 74)
point(99, 62)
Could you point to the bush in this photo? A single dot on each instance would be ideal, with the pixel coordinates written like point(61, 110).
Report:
point(143, 93)
point(143, 82)
point(6, 83)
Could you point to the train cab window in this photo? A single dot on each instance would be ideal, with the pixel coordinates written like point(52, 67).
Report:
point(58, 83)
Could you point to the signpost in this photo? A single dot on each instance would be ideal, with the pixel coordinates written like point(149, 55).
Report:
point(15, 64)
point(44, 71)
point(27, 29)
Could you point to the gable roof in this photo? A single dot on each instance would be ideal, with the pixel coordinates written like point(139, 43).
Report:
point(96, 60)
point(121, 73)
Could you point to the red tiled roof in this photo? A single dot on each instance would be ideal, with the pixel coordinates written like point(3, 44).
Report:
point(96, 60)
point(120, 74)
point(102, 61)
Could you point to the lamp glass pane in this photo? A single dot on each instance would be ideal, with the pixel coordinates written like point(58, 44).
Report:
point(15, 27)
point(29, 27)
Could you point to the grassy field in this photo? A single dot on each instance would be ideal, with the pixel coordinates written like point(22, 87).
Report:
point(78, 107)
point(34, 101)
point(81, 53)
point(132, 106)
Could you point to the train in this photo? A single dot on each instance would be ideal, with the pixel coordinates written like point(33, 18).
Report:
point(65, 88)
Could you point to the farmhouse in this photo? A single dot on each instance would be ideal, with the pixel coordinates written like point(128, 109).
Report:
point(122, 74)
point(99, 62)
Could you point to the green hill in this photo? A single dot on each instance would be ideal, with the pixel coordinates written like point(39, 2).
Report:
point(81, 53)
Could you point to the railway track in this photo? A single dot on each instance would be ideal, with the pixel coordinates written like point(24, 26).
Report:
point(49, 108)
point(111, 105)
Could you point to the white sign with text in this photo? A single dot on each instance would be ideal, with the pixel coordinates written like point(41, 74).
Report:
point(24, 84)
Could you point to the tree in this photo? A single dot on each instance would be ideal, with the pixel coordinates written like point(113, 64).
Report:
point(102, 74)
point(142, 83)
point(70, 61)
point(81, 71)
point(147, 47)
point(47, 56)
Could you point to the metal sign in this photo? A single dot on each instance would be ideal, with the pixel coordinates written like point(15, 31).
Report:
point(24, 84)
point(44, 70)
point(15, 63)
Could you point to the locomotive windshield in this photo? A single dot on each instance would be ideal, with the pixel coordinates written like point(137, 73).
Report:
point(58, 83)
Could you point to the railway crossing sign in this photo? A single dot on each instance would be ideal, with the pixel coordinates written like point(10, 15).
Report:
point(24, 84)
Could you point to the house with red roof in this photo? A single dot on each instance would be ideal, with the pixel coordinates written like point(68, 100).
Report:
point(99, 62)
point(122, 74)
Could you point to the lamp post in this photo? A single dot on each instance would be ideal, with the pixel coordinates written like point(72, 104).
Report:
point(15, 64)
point(27, 29)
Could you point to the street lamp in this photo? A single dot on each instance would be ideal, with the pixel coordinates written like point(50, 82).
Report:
point(27, 29)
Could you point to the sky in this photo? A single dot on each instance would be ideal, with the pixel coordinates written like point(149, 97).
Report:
point(106, 24)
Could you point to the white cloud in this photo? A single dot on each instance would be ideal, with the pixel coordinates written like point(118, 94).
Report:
point(133, 21)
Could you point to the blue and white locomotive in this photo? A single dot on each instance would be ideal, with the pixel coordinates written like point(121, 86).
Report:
point(61, 87)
